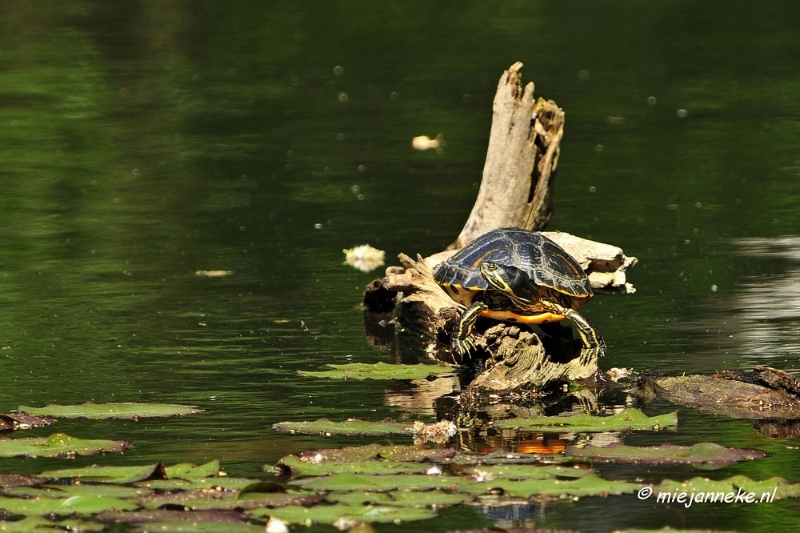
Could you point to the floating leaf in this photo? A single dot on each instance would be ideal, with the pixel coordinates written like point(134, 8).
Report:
point(705, 453)
point(190, 471)
point(226, 483)
point(589, 485)
point(67, 491)
point(378, 451)
point(226, 500)
point(110, 474)
point(517, 471)
point(351, 482)
point(362, 371)
point(298, 467)
point(403, 498)
point(328, 514)
point(112, 410)
point(180, 521)
point(628, 419)
point(83, 505)
point(323, 426)
point(718, 490)
point(58, 445)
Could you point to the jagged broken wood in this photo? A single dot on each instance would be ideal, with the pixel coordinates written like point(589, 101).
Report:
point(516, 191)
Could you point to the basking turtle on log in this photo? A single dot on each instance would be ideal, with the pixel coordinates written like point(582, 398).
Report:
point(505, 269)
point(514, 275)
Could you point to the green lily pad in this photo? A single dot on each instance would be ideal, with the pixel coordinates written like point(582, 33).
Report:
point(190, 471)
point(717, 490)
point(628, 419)
point(177, 521)
point(589, 485)
point(411, 453)
point(40, 524)
point(110, 474)
point(328, 514)
point(111, 410)
point(67, 491)
point(29, 523)
point(706, 453)
point(325, 427)
point(220, 483)
point(298, 467)
point(82, 505)
point(58, 445)
point(352, 482)
point(523, 471)
point(362, 371)
point(204, 500)
point(402, 498)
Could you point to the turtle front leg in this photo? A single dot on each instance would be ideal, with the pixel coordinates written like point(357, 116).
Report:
point(461, 342)
point(593, 342)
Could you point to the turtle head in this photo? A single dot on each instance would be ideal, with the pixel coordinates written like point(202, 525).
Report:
point(510, 280)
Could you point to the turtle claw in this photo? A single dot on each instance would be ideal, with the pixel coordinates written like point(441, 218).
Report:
point(462, 346)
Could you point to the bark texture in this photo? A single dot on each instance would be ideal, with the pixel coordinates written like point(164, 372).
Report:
point(521, 161)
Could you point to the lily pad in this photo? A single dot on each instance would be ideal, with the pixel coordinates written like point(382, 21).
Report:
point(401, 498)
point(199, 521)
point(325, 427)
point(523, 471)
point(328, 514)
point(706, 453)
point(38, 523)
point(351, 482)
point(200, 500)
point(590, 485)
point(67, 491)
point(58, 445)
point(99, 411)
point(216, 483)
point(297, 467)
point(378, 451)
point(110, 474)
point(190, 471)
point(767, 490)
point(82, 505)
point(361, 371)
point(628, 419)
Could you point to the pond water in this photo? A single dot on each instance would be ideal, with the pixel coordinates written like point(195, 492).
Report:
point(143, 142)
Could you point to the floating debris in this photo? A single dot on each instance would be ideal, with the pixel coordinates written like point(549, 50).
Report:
point(364, 258)
point(214, 273)
point(437, 432)
point(423, 142)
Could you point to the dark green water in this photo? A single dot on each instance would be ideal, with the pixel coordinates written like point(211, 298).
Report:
point(143, 141)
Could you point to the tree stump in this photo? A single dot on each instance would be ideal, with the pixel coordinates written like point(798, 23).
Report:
point(516, 191)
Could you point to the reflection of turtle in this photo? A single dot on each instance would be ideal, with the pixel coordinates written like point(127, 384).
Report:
point(518, 276)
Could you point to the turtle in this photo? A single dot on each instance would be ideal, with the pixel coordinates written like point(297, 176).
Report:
point(515, 275)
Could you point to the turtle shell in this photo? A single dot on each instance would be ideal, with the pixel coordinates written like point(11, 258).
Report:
point(545, 262)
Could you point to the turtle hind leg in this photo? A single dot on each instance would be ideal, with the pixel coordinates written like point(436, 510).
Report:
point(461, 342)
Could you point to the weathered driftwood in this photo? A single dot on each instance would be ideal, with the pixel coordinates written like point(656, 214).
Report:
point(762, 393)
point(516, 191)
point(518, 176)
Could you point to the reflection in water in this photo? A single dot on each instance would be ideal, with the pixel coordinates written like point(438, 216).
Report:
point(769, 309)
point(418, 396)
